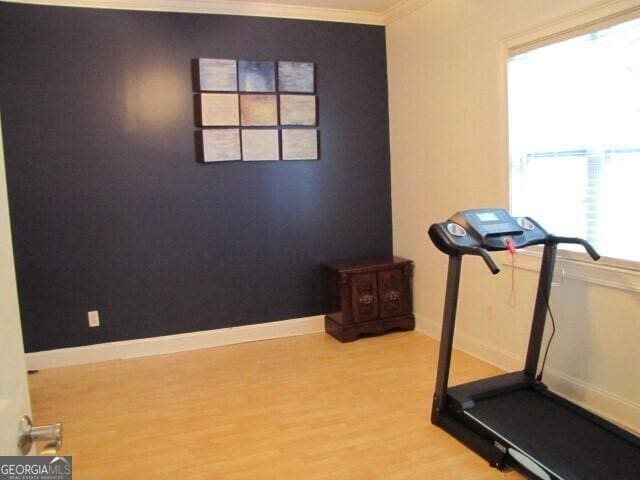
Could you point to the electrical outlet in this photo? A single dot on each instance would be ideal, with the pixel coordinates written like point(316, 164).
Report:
point(94, 318)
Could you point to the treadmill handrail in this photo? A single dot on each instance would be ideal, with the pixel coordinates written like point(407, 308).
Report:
point(576, 241)
point(488, 260)
point(481, 252)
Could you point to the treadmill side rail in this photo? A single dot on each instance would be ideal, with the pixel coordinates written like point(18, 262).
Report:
point(464, 396)
point(475, 441)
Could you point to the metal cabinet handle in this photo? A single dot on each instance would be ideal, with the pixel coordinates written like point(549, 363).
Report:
point(366, 299)
point(27, 434)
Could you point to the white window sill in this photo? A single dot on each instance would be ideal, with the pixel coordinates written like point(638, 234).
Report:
point(620, 274)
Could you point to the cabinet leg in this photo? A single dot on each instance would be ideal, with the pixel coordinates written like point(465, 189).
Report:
point(338, 332)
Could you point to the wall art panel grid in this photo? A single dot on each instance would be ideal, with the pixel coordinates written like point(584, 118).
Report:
point(271, 105)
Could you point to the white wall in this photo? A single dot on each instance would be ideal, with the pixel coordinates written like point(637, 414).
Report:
point(14, 391)
point(447, 95)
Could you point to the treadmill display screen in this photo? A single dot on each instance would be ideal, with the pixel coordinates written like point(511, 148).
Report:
point(491, 222)
point(487, 217)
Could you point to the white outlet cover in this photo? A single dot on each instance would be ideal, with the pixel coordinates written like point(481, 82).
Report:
point(94, 318)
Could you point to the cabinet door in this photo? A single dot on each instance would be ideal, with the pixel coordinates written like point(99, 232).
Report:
point(392, 292)
point(364, 297)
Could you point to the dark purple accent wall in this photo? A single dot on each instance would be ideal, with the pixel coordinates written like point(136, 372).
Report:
point(110, 210)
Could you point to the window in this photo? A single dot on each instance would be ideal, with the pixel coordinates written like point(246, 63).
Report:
point(574, 137)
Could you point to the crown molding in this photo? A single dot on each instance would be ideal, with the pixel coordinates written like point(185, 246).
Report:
point(598, 12)
point(402, 9)
point(225, 7)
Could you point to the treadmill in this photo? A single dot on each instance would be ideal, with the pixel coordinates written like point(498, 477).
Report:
point(513, 419)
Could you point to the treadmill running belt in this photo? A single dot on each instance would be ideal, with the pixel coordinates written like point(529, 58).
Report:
point(568, 444)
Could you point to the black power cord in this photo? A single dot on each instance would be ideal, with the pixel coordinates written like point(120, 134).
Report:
point(553, 332)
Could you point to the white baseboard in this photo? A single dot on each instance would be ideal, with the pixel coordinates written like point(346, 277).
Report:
point(473, 346)
point(614, 407)
point(173, 343)
point(617, 409)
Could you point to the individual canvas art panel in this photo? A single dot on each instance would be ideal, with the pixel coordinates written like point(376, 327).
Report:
point(298, 110)
point(256, 76)
point(296, 77)
point(258, 110)
point(218, 109)
point(299, 144)
point(216, 75)
point(260, 145)
point(220, 145)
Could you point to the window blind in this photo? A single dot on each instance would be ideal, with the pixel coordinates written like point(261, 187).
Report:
point(574, 136)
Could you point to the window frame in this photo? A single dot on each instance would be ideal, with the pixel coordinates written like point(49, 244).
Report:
point(613, 272)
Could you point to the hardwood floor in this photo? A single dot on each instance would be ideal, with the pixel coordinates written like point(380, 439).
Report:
point(302, 407)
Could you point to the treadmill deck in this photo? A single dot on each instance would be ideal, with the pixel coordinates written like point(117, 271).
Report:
point(565, 442)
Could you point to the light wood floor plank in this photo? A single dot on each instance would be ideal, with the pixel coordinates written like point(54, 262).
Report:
point(302, 407)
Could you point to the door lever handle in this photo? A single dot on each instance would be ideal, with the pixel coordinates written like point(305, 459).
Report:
point(28, 434)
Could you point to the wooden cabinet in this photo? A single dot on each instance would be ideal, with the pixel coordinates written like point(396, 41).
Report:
point(368, 296)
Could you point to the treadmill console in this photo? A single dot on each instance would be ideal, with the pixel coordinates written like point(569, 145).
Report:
point(490, 229)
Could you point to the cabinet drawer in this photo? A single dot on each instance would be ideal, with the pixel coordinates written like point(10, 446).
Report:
point(364, 297)
point(391, 293)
